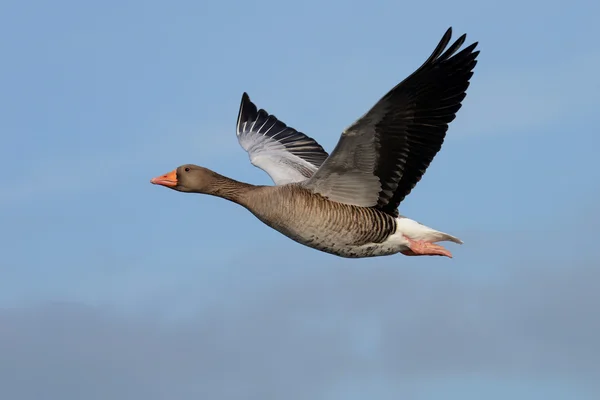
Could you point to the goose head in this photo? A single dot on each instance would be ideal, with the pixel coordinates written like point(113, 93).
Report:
point(188, 178)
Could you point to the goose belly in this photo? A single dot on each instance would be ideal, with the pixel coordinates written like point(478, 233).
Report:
point(350, 235)
point(348, 250)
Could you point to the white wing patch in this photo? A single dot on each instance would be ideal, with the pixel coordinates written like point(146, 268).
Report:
point(285, 154)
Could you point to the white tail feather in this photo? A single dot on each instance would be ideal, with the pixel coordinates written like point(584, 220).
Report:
point(417, 231)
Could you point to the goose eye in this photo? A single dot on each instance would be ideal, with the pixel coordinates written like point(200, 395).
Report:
point(187, 170)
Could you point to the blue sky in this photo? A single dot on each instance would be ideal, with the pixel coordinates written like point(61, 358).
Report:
point(111, 287)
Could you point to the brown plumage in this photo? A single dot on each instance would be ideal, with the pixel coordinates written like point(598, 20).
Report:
point(346, 203)
point(293, 210)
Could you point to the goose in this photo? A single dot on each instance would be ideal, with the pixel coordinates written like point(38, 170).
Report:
point(346, 203)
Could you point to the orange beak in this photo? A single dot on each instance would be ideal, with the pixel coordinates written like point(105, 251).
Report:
point(168, 180)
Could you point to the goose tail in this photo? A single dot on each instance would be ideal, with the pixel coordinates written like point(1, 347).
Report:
point(417, 231)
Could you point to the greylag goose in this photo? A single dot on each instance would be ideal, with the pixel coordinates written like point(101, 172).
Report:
point(346, 203)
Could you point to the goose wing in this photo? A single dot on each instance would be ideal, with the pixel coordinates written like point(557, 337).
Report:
point(380, 158)
point(281, 151)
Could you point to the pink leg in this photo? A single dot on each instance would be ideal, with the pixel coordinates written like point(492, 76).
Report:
point(422, 248)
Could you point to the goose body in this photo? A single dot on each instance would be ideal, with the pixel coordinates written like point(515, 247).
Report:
point(341, 229)
point(346, 203)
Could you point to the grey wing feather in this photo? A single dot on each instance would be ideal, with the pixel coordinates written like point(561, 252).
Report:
point(285, 154)
point(381, 157)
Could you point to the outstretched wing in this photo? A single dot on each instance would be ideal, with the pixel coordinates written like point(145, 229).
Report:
point(380, 158)
point(282, 152)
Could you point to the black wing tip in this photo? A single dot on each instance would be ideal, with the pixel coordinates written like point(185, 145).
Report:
point(245, 101)
point(248, 110)
point(448, 33)
point(443, 52)
point(246, 98)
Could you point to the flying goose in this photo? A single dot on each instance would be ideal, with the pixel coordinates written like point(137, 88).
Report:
point(346, 203)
